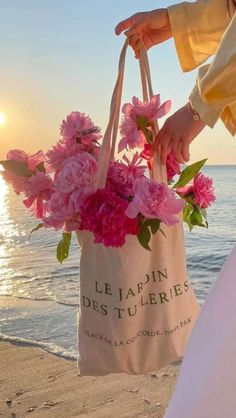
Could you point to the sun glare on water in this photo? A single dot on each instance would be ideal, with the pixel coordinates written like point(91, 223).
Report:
point(2, 118)
point(3, 190)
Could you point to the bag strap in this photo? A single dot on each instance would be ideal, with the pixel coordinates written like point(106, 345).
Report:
point(158, 171)
point(107, 149)
point(109, 139)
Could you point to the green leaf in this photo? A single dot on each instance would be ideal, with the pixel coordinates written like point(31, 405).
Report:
point(154, 225)
point(204, 212)
point(186, 215)
point(148, 135)
point(41, 167)
point(17, 167)
point(189, 172)
point(144, 237)
point(63, 247)
point(36, 229)
point(196, 217)
point(141, 122)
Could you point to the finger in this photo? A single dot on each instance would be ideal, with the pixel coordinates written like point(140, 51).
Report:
point(160, 136)
point(165, 149)
point(134, 30)
point(133, 40)
point(124, 24)
point(137, 47)
point(185, 151)
point(176, 148)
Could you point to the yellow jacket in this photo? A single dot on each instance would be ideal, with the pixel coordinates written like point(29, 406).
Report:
point(200, 30)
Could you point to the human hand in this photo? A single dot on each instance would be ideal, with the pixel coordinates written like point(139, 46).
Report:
point(146, 29)
point(177, 133)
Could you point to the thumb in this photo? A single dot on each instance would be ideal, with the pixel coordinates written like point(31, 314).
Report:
point(125, 24)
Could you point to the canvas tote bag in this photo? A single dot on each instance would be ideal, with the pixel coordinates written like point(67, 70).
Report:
point(137, 308)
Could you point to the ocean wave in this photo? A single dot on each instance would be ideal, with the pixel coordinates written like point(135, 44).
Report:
point(39, 299)
point(48, 347)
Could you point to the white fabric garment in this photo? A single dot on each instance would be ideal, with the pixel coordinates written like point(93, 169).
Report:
point(206, 387)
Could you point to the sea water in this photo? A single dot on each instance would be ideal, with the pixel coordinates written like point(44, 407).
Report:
point(39, 297)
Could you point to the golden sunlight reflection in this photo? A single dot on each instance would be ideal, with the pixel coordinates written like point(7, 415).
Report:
point(3, 191)
point(3, 214)
point(2, 118)
point(5, 281)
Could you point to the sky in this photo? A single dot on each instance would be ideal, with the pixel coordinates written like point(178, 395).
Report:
point(59, 56)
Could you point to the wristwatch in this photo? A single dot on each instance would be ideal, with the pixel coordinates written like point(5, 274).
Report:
point(195, 114)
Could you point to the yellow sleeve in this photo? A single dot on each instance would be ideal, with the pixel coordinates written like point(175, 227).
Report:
point(197, 29)
point(214, 95)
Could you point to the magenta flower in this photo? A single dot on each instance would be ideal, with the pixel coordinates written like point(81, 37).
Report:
point(203, 191)
point(147, 152)
point(154, 201)
point(77, 172)
point(103, 214)
point(172, 166)
point(38, 189)
point(132, 135)
point(78, 196)
point(121, 176)
point(79, 127)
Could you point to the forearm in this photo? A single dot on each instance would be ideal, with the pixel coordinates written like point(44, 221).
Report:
point(214, 95)
point(197, 29)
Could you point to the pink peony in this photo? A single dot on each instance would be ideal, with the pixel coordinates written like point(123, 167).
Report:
point(154, 201)
point(203, 190)
point(58, 215)
point(17, 155)
point(103, 214)
point(172, 166)
point(31, 160)
point(77, 172)
point(56, 156)
point(37, 190)
point(79, 127)
point(121, 176)
point(77, 198)
point(132, 135)
point(18, 183)
point(149, 110)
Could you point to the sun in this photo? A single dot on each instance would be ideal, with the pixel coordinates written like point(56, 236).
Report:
point(2, 118)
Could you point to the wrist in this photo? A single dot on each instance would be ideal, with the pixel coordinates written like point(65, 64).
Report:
point(194, 113)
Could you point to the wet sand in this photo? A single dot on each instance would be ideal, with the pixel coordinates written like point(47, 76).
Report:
point(34, 384)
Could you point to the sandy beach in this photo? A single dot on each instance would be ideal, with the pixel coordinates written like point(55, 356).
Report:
point(34, 383)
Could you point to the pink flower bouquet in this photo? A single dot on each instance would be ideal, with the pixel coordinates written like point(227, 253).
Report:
point(59, 186)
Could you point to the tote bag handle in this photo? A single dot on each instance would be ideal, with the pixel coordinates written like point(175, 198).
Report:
point(107, 149)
